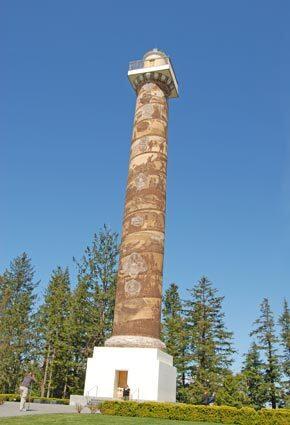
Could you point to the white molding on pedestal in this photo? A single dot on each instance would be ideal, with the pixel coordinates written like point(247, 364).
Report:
point(134, 341)
point(151, 374)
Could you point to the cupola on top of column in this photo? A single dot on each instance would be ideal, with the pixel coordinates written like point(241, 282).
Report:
point(155, 66)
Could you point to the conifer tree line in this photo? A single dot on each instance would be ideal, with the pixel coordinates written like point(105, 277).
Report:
point(54, 335)
point(195, 334)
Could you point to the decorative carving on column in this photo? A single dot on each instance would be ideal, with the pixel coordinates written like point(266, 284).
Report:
point(139, 284)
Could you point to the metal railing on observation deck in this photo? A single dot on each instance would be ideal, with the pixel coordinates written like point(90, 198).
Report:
point(147, 63)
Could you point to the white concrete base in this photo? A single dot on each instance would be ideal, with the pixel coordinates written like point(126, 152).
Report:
point(151, 374)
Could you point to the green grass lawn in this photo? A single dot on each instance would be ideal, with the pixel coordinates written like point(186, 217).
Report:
point(74, 419)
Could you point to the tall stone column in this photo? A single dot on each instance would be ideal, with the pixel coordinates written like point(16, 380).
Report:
point(139, 287)
point(133, 356)
point(139, 284)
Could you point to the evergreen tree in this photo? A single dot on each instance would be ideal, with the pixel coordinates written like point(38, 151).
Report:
point(253, 371)
point(284, 322)
point(16, 302)
point(52, 333)
point(81, 325)
point(265, 333)
point(92, 303)
point(233, 391)
point(98, 269)
point(210, 343)
point(174, 332)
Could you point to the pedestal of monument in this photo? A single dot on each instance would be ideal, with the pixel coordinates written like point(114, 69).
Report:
point(149, 372)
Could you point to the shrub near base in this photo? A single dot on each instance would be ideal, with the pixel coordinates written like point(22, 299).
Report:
point(275, 417)
point(45, 400)
point(189, 412)
point(10, 397)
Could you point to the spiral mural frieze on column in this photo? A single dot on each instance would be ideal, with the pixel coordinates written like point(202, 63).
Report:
point(139, 285)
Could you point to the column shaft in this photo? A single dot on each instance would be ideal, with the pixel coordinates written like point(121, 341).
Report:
point(139, 284)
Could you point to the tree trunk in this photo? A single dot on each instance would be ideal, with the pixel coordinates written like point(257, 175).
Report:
point(46, 365)
point(65, 386)
point(273, 396)
point(183, 379)
point(273, 389)
point(50, 374)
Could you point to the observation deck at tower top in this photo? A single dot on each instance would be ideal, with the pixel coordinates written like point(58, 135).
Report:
point(154, 65)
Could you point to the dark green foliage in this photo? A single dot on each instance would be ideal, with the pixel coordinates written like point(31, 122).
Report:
point(80, 325)
point(92, 303)
point(174, 332)
point(267, 343)
point(56, 341)
point(52, 331)
point(233, 391)
point(16, 302)
point(253, 371)
point(98, 271)
point(210, 344)
point(187, 412)
point(70, 323)
point(284, 322)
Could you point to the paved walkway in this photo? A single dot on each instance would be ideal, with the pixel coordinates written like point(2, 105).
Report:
point(11, 408)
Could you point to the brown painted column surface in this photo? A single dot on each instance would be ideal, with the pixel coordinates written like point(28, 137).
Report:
point(139, 286)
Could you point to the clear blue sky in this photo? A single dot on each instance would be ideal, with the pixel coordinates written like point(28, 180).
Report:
point(65, 137)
